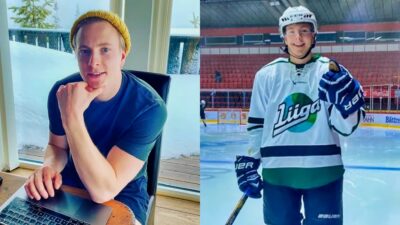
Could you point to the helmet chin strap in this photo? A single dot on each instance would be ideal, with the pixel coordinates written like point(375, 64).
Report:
point(286, 50)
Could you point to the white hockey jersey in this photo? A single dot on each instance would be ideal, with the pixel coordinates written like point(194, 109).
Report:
point(293, 132)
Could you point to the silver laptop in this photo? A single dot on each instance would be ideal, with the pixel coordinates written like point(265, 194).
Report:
point(64, 206)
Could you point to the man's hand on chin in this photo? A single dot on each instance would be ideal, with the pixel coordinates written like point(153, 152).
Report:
point(75, 98)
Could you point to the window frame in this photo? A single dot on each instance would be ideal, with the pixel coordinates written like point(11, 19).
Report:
point(8, 150)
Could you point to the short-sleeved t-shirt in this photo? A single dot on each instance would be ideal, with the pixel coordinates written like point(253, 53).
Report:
point(131, 120)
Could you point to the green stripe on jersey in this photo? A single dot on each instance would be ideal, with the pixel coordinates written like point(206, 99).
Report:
point(302, 178)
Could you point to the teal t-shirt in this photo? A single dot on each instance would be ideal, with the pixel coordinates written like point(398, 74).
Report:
point(132, 120)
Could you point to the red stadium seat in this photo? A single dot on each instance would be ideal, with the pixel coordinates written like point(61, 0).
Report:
point(241, 68)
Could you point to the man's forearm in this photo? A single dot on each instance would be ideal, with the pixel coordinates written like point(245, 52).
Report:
point(95, 171)
point(55, 157)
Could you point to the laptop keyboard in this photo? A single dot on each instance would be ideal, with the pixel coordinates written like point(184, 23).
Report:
point(21, 212)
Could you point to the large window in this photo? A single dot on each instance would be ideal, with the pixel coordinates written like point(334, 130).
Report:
point(181, 138)
point(40, 57)
point(184, 53)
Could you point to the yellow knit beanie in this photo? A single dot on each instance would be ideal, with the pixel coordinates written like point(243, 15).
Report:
point(110, 17)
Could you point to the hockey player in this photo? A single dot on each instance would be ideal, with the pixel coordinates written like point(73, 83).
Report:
point(298, 110)
point(203, 106)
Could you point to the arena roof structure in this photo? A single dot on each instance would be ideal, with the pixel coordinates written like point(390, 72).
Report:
point(256, 13)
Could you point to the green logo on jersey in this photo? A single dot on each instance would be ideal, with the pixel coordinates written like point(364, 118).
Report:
point(297, 113)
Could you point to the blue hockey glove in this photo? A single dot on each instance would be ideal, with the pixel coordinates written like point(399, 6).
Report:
point(338, 87)
point(248, 179)
point(352, 102)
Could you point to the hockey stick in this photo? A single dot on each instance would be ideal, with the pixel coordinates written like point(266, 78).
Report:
point(237, 209)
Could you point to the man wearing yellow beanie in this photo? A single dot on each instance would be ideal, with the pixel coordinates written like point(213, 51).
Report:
point(103, 121)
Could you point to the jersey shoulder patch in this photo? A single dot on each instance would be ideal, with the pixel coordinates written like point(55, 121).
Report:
point(266, 71)
point(278, 60)
point(323, 59)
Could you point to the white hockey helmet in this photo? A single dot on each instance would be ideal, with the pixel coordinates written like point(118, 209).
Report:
point(203, 102)
point(298, 14)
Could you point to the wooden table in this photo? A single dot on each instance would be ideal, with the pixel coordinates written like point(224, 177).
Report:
point(120, 214)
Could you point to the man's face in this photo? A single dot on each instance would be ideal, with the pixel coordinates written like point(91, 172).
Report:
point(99, 55)
point(299, 38)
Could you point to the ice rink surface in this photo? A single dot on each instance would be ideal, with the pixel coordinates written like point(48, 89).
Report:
point(371, 191)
